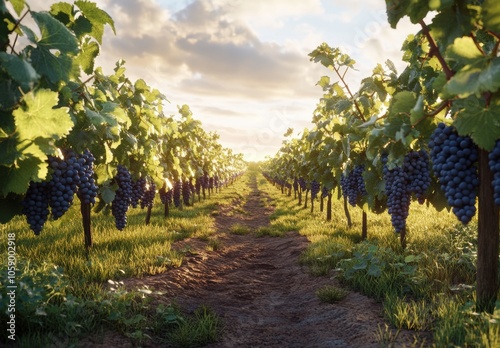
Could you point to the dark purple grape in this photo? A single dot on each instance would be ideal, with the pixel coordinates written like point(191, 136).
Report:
point(138, 191)
point(315, 188)
point(416, 165)
point(63, 183)
point(36, 205)
point(147, 199)
point(123, 194)
point(87, 187)
point(353, 185)
point(454, 162)
point(177, 193)
point(398, 195)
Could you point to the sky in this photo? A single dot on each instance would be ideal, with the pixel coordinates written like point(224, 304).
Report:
point(242, 66)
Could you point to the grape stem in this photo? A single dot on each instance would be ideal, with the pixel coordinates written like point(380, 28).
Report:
point(434, 51)
point(342, 78)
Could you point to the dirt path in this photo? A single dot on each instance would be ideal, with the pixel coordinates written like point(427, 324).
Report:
point(264, 296)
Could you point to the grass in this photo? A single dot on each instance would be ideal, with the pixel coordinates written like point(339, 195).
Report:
point(331, 294)
point(64, 290)
point(427, 287)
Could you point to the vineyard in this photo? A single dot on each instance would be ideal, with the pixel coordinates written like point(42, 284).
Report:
point(123, 221)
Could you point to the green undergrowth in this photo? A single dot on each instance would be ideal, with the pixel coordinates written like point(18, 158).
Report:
point(427, 287)
point(64, 291)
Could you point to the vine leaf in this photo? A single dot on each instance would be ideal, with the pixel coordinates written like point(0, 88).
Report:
point(491, 15)
point(54, 34)
point(38, 118)
point(20, 70)
point(480, 122)
point(474, 80)
point(97, 17)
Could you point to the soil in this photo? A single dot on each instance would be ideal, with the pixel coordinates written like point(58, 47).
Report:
point(261, 292)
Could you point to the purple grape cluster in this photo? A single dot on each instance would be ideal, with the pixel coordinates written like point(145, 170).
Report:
point(353, 184)
point(302, 184)
point(186, 192)
point(177, 193)
point(324, 191)
point(315, 188)
point(120, 204)
point(295, 184)
point(138, 191)
point(454, 162)
point(63, 183)
point(494, 163)
point(197, 185)
point(416, 165)
point(166, 196)
point(36, 205)
point(148, 198)
point(398, 195)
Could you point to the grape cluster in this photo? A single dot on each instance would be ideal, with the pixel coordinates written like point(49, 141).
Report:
point(63, 183)
point(166, 196)
point(295, 184)
point(494, 163)
point(120, 204)
point(454, 160)
point(205, 182)
point(36, 205)
point(315, 188)
point(138, 191)
point(149, 195)
point(416, 165)
point(87, 187)
point(324, 191)
point(398, 195)
point(302, 183)
point(186, 192)
point(177, 193)
point(197, 185)
point(353, 184)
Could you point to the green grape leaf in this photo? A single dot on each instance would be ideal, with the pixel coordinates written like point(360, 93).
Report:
point(20, 70)
point(464, 50)
point(63, 12)
point(55, 68)
point(55, 36)
point(107, 194)
point(87, 56)
point(98, 119)
point(38, 118)
point(16, 179)
point(402, 103)
point(17, 5)
point(480, 122)
point(324, 82)
point(97, 17)
point(397, 9)
point(118, 113)
point(491, 15)
point(474, 80)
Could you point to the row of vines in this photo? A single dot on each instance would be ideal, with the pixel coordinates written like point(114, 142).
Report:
point(430, 133)
point(68, 129)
